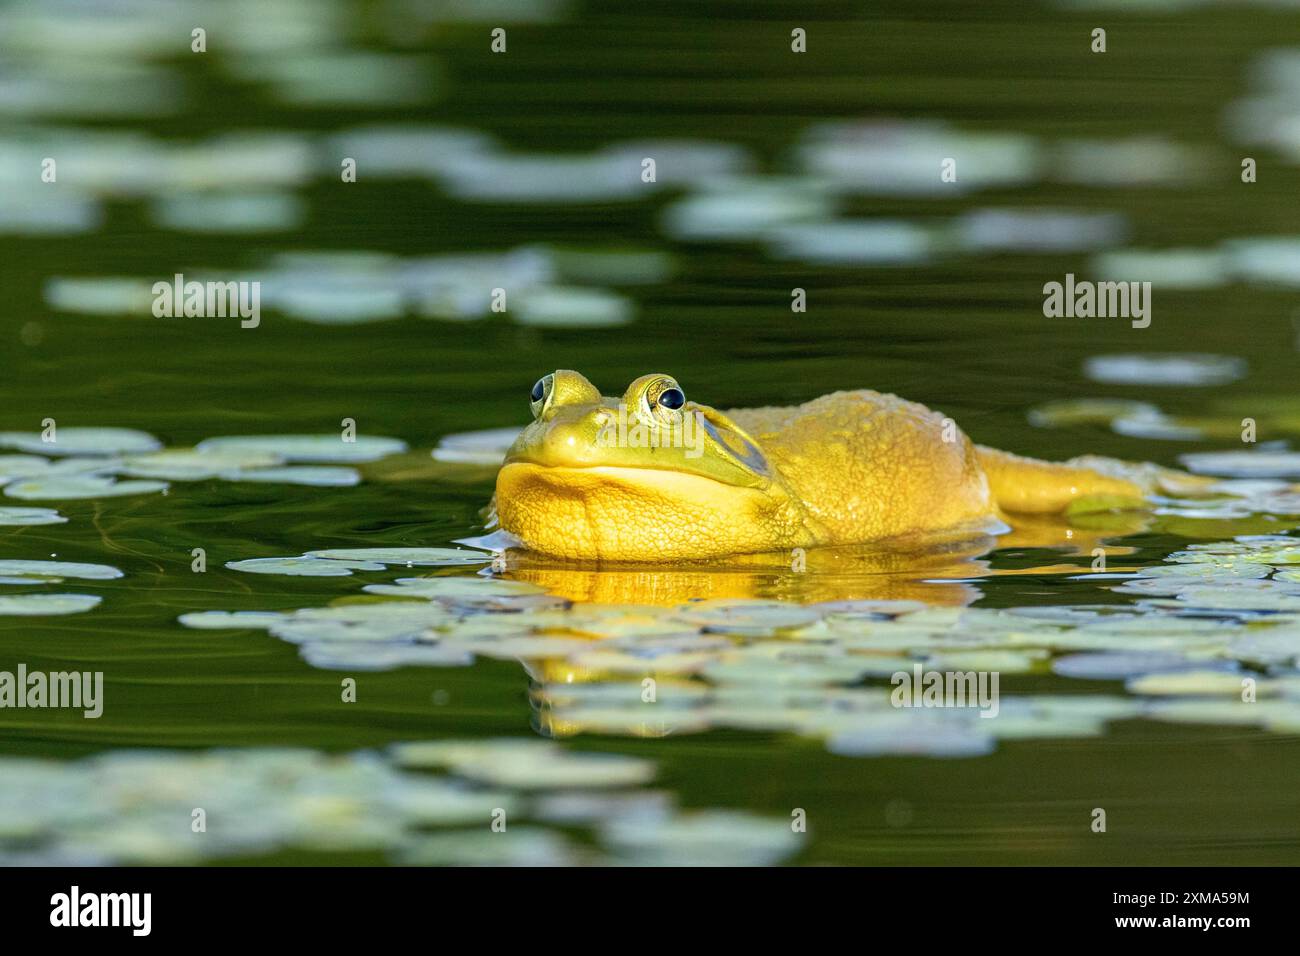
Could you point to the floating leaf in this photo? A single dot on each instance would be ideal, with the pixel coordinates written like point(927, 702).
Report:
point(46, 604)
point(81, 441)
point(430, 557)
point(1174, 369)
point(30, 516)
point(306, 448)
point(80, 486)
point(303, 566)
point(60, 569)
point(486, 447)
point(312, 475)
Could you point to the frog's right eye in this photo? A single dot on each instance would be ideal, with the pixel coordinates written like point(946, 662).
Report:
point(541, 391)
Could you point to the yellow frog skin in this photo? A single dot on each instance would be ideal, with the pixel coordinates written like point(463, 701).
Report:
point(652, 477)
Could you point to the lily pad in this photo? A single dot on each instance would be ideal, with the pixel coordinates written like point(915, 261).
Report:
point(303, 566)
point(82, 441)
point(59, 569)
point(306, 448)
point(409, 557)
point(30, 516)
point(40, 605)
point(77, 487)
point(316, 476)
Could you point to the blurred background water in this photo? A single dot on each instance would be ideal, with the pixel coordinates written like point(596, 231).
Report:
point(522, 170)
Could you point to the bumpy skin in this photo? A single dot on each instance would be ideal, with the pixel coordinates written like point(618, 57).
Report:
point(846, 468)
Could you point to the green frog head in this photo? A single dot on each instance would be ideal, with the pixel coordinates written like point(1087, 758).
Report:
point(646, 476)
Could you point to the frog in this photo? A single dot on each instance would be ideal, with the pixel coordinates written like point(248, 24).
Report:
point(650, 476)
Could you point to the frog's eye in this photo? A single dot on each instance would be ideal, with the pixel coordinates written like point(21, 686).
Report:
point(541, 390)
point(663, 400)
point(672, 398)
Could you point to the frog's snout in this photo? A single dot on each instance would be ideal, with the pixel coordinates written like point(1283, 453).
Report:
point(570, 436)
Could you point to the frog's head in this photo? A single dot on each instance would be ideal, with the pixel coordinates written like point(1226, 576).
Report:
point(643, 477)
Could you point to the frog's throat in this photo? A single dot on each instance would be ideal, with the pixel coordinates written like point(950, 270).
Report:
point(611, 513)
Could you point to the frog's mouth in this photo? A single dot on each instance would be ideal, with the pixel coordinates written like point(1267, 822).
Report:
point(626, 513)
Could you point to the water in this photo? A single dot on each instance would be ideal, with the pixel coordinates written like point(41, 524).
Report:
point(956, 323)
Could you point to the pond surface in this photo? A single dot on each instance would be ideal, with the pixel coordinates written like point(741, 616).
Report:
point(520, 686)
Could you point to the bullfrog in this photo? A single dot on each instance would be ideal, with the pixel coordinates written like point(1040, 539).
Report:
point(651, 476)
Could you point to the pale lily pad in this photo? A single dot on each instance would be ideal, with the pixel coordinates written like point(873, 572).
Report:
point(1088, 411)
point(219, 620)
point(30, 466)
point(1172, 369)
point(1164, 268)
point(844, 242)
point(307, 448)
point(915, 733)
point(1189, 683)
point(1119, 666)
point(30, 516)
point(80, 486)
point(487, 447)
point(316, 476)
point(37, 605)
point(100, 295)
point(1231, 712)
point(60, 569)
point(746, 209)
point(572, 308)
point(1244, 464)
point(409, 557)
point(230, 212)
point(746, 616)
point(455, 588)
point(705, 838)
point(187, 464)
point(303, 566)
point(368, 656)
point(1038, 231)
point(527, 764)
point(82, 441)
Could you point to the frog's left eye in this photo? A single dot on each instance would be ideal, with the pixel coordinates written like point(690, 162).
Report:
point(672, 398)
point(541, 391)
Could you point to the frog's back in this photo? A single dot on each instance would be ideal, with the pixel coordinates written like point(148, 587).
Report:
point(869, 466)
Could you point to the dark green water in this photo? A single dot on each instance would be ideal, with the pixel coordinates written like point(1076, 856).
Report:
point(965, 335)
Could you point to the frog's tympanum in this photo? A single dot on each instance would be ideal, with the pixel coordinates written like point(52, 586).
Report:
point(651, 476)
